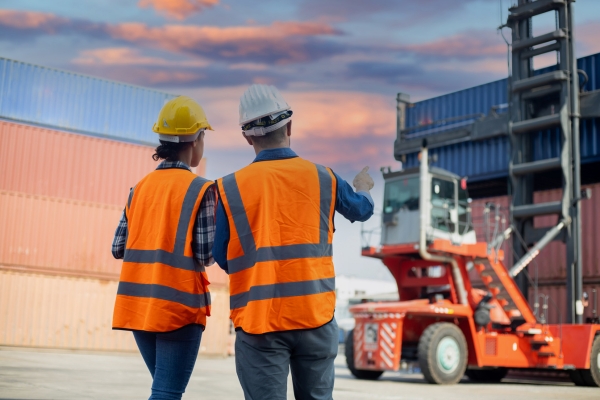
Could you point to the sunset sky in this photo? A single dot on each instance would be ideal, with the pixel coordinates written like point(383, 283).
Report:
point(339, 63)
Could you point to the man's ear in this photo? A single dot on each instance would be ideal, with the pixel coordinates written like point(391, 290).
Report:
point(248, 138)
point(197, 140)
point(289, 128)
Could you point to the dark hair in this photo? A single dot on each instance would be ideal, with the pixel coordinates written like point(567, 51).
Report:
point(272, 138)
point(168, 150)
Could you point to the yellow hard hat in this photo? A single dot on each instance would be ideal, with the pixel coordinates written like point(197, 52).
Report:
point(180, 119)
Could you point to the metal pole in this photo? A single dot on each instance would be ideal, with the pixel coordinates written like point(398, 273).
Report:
point(402, 100)
point(576, 207)
point(595, 300)
point(425, 223)
point(535, 250)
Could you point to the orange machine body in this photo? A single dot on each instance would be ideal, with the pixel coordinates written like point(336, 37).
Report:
point(388, 332)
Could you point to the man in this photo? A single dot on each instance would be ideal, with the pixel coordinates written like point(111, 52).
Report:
point(274, 237)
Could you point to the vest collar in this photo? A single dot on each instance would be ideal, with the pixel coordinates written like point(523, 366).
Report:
point(173, 164)
point(275, 154)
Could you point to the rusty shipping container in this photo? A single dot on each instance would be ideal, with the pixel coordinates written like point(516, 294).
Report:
point(550, 265)
point(557, 302)
point(38, 310)
point(56, 234)
point(51, 234)
point(61, 196)
point(52, 163)
point(485, 229)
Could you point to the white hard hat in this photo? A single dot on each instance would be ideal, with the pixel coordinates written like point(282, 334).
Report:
point(259, 101)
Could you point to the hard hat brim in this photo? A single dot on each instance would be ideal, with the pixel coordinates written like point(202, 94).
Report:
point(181, 131)
point(242, 123)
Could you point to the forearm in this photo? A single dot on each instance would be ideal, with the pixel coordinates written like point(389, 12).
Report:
point(354, 206)
point(120, 239)
point(221, 238)
point(204, 229)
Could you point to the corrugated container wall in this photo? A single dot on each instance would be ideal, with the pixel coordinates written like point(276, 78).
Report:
point(557, 301)
point(50, 163)
point(61, 197)
point(62, 193)
point(475, 100)
point(78, 103)
point(64, 236)
point(489, 158)
point(551, 262)
point(549, 267)
point(76, 313)
point(50, 233)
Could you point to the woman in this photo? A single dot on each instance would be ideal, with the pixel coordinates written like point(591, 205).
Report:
point(165, 239)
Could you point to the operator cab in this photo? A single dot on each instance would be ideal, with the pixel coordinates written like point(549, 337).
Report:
point(450, 208)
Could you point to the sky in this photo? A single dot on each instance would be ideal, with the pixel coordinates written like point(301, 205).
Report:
point(338, 63)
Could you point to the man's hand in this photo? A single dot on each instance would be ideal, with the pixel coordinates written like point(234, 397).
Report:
point(363, 181)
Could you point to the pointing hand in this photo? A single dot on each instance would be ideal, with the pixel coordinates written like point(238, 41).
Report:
point(363, 181)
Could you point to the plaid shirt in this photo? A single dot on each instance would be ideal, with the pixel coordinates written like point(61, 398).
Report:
point(204, 227)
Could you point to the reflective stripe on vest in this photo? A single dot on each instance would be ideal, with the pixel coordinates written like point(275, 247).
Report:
point(176, 259)
point(251, 254)
point(162, 290)
point(280, 259)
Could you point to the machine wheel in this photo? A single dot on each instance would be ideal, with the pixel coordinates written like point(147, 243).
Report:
point(577, 378)
point(486, 375)
point(358, 373)
point(589, 377)
point(443, 353)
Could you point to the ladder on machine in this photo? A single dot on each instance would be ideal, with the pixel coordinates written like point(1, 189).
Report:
point(541, 102)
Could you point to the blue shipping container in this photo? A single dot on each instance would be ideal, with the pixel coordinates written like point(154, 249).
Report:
point(78, 103)
point(488, 159)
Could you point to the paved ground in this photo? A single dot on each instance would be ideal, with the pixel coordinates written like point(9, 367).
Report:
point(37, 375)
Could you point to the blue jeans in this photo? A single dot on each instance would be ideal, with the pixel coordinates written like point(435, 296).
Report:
point(170, 357)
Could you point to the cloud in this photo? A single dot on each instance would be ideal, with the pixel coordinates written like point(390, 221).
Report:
point(278, 43)
point(389, 71)
point(340, 114)
point(129, 56)
point(407, 11)
point(467, 45)
point(131, 65)
point(31, 20)
point(342, 130)
point(178, 9)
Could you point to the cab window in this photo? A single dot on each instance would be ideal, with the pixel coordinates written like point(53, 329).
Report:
point(401, 194)
point(442, 201)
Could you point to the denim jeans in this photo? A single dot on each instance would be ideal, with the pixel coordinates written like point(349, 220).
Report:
point(170, 357)
point(263, 363)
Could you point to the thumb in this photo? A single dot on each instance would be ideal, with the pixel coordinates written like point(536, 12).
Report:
point(365, 169)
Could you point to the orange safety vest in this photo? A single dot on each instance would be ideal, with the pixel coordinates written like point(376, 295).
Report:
point(280, 216)
point(162, 286)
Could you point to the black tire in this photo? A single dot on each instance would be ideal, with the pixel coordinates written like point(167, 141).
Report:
point(349, 352)
point(576, 377)
point(444, 365)
point(486, 375)
point(591, 377)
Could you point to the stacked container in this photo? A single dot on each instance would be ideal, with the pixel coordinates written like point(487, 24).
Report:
point(71, 147)
point(488, 159)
